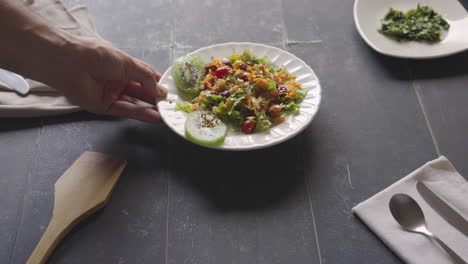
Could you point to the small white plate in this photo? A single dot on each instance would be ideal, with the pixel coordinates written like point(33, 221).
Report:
point(368, 13)
point(293, 125)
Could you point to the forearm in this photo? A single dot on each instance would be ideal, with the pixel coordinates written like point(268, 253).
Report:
point(89, 72)
point(27, 39)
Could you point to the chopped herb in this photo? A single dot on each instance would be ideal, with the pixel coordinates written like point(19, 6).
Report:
point(263, 123)
point(300, 95)
point(183, 106)
point(211, 100)
point(253, 88)
point(264, 60)
point(420, 24)
point(247, 55)
point(291, 108)
point(271, 86)
point(233, 59)
point(231, 78)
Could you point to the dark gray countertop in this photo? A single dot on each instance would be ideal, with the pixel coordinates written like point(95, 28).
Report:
point(380, 119)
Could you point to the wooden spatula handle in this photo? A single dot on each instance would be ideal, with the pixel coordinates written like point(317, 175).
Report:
point(54, 233)
point(83, 189)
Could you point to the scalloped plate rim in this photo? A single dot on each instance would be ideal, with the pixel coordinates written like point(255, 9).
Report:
point(293, 133)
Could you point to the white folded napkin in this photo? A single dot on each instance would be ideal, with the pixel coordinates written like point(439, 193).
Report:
point(43, 100)
point(441, 177)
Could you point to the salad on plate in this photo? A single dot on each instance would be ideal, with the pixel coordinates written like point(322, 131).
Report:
point(245, 92)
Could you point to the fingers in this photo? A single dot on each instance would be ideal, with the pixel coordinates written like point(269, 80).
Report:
point(140, 72)
point(126, 107)
point(158, 74)
point(135, 89)
point(115, 89)
point(109, 63)
point(135, 101)
point(162, 91)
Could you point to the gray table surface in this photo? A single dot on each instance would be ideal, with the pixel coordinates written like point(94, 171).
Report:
point(380, 119)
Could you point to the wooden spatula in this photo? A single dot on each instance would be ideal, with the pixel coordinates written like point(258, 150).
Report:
point(83, 189)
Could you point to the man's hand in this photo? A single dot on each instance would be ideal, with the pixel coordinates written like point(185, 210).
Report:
point(91, 73)
point(105, 80)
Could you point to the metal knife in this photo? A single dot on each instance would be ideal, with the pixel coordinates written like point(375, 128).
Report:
point(442, 208)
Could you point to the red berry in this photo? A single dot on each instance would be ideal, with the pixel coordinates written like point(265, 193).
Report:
point(282, 91)
point(210, 67)
point(221, 72)
point(227, 62)
point(244, 76)
point(225, 93)
point(248, 127)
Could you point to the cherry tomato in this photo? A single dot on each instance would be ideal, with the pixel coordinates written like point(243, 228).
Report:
point(248, 127)
point(221, 72)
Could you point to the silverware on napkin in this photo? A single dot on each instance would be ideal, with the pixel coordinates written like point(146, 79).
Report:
point(407, 212)
point(442, 208)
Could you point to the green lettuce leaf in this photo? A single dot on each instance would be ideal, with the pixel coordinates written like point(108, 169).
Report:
point(185, 106)
point(291, 108)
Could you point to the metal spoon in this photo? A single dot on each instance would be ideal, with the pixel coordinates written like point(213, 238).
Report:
point(410, 216)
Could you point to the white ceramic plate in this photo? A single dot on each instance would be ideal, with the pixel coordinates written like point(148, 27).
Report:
point(293, 125)
point(368, 13)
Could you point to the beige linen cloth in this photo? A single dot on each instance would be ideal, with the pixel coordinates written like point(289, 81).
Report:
point(441, 177)
point(43, 100)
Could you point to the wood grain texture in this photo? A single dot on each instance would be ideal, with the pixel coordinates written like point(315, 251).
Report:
point(201, 23)
point(442, 87)
point(84, 188)
point(250, 207)
point(352, 155)
point(18, 147)
point(141, 24)
point(359, 144)
point(369, 132)
point(136, 213)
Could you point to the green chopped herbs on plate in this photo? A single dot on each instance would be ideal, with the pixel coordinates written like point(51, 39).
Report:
point(420, 24)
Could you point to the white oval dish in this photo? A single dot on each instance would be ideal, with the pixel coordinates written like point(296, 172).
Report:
point(368, 13)
point(237, 141)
